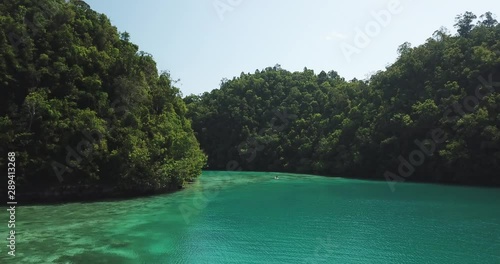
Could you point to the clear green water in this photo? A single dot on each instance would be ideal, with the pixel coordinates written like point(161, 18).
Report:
point(252, 218)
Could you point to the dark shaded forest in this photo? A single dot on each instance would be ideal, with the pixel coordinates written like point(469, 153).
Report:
point(82, 106)
point(433, 115)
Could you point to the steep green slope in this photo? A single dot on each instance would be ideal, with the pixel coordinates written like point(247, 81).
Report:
point(81, 105)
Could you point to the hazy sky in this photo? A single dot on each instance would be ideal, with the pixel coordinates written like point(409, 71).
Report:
point(203, 41)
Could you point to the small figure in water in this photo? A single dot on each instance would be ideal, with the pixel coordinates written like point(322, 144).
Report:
point(276, 177)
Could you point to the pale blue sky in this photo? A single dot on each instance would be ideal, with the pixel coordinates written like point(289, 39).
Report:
point(200, 45)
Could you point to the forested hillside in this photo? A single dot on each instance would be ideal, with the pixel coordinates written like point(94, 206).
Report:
point(433, 115)
point(81, 105)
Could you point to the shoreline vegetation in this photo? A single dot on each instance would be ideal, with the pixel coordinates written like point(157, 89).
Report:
point(90, 118)
point(431, 116)
point(83, 106)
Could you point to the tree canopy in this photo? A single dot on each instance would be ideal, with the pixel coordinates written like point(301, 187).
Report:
point(82, 105)
point(447, 88)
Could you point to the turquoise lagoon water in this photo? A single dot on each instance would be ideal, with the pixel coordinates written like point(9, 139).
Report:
point(245, 217)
